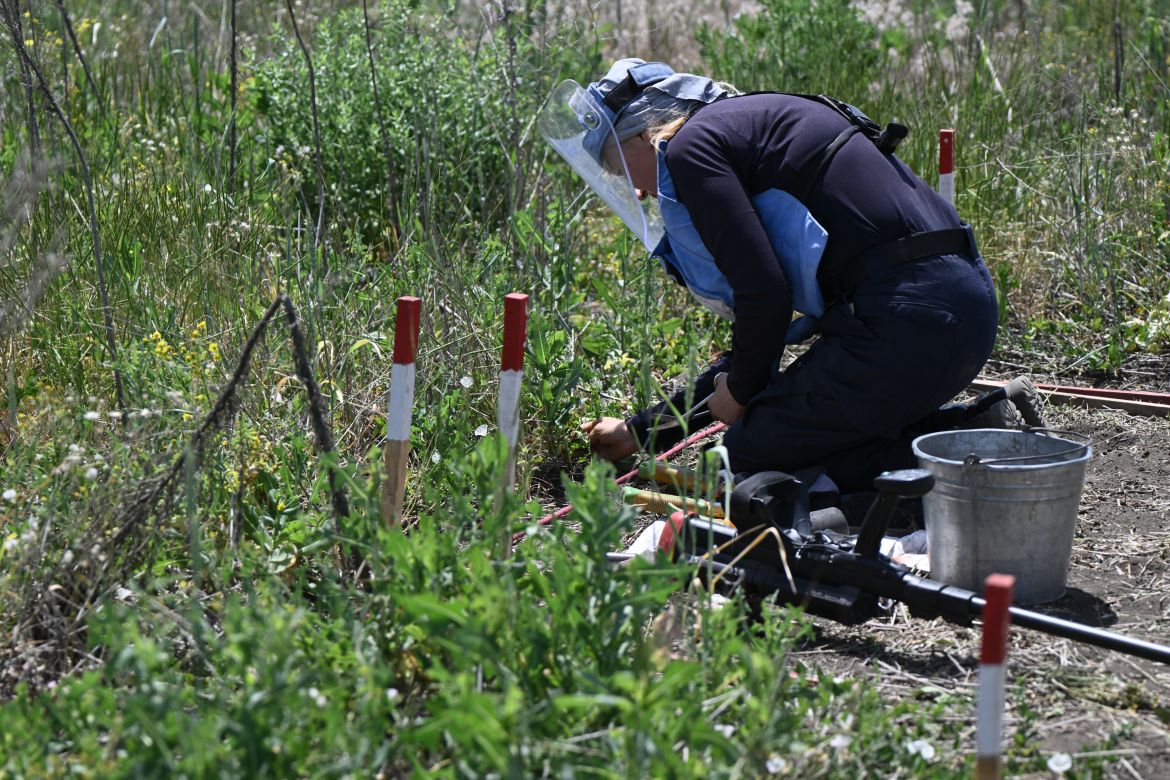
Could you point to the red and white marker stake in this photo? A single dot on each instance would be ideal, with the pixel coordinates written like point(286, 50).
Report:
point(400, 407)
point(997, 595)
point(946, 165)
point(511, 372)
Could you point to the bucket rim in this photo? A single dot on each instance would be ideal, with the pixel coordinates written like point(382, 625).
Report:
point(1015, 463)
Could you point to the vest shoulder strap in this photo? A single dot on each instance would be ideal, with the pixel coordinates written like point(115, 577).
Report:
point(886, 140)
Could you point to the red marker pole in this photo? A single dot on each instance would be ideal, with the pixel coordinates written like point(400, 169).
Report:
point(997, 595)
point(399, 410)
point(511, 373)
point(946, 165)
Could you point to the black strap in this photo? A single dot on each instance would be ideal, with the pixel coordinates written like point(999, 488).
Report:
point(917, 246)
point(822, 162)
point(637, 79)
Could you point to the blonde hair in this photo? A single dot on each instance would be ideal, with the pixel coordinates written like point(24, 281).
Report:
point(664, 131)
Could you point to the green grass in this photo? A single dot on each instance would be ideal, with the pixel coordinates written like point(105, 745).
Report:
point(227, 633)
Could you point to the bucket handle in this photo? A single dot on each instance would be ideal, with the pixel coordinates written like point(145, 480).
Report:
point(974, 460)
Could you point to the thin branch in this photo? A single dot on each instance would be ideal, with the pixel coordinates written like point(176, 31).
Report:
point(12, 18)
point(235, 87)
point(317, 237)
point(80, 55)
point(391, 187)
point(95, 233)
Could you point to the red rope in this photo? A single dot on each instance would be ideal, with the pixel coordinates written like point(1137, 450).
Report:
point(710, 430)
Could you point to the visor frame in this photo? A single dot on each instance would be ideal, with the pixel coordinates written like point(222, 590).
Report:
point(576, 122)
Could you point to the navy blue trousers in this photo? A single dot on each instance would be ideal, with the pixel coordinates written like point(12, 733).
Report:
point(906, 341)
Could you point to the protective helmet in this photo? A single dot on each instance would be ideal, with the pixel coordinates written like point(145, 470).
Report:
point(579, 123)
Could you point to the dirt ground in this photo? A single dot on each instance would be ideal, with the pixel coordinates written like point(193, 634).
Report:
point(1082, 701)
point(1108, 711)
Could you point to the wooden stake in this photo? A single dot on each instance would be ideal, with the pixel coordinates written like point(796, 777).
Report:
point(398, 414)
point(666, 503)
point(511, 373)
point(997, 595)
point(946, 165)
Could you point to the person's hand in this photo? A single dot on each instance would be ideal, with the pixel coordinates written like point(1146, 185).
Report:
point(723, 405)
point(609, 438)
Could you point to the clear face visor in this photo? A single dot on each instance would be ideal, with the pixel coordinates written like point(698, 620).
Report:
point(580, 128)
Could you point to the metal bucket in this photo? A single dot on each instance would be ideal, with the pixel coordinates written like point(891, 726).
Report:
point(1003, 501)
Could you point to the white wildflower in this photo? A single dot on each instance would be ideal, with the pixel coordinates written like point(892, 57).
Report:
point(67, 463)
point(776, 765)
point(920, 747)
point(1060, 763)
point(392, 694)
point(91, 415)
point(317, 697)
point(436, 457)
point(91, 473)
point(9, 495)
point(207, 188)
point(840, 742)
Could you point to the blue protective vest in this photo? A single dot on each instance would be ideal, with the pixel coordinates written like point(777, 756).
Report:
point(796, 237)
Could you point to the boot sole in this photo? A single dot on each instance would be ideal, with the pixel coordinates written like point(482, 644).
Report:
point(1026, 398)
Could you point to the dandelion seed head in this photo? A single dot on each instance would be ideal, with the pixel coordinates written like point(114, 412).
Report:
point(776, 765)
point(840, 741)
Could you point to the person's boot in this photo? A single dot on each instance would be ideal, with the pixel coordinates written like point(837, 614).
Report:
point(1002, 414)
point(992, 409)
point(1025, 397)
